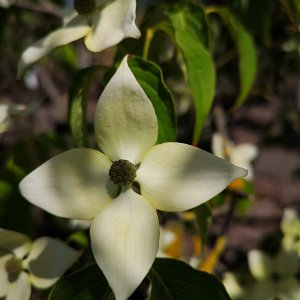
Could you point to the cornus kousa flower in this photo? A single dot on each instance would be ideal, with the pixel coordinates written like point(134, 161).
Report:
point(103, 23)
point(88, 184)
point(24, 263)
point(275, 276)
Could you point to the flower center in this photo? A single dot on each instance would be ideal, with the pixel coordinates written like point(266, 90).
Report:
point(13, 266)
point(122, 172)
point(85, 7)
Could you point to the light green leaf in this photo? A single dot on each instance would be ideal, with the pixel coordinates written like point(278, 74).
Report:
point(66, 55)
point(191, 37)
point(86, 284)
point(149, 77)
point(246, 50)
point(175, 280)
point(78, 96)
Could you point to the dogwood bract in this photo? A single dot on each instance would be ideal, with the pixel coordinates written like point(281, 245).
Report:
point(103, 23)
point(22, 263)
point(276, 277)
point(87, 184)
point(290, 227)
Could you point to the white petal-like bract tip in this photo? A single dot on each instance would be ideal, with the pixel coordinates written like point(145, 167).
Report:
point(178, 177)
point(73, 31)
point(125, 120)
point(124, 238)
point(112, 24)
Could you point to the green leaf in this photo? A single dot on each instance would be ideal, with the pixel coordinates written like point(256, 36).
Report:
point(243, 206)
point(257, 17)
point(204, 218)
point(66, 55)
point(15, 212)
point(78, 96)
point(246, 49)
point(191, 38)
point(150, 79)
point(175, 280)
point(86, 284)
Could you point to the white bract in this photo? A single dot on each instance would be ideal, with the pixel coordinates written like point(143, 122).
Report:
point(7, 112)
point(110, 22)
point(240, 155)
point(234, 287)
point(171, 176)
point(275, 277)
point(290, 227)
point(24, 263)
point(6, 3)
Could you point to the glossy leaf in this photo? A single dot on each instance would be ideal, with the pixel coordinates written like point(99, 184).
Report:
point(191, 37)
point(175, 280)
point(149, 77)
point(247, 52)
point(78, 102)
point(86, 284)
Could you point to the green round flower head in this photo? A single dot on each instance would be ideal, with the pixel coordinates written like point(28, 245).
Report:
point(13, 267)
point(122, 172)
point(85, 7)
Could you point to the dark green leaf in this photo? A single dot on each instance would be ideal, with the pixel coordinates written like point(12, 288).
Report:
point(150, 79)
point(247, 52)
point(175, 280)
point(256, 16)
point(203, 217)
point(86, 284)
point(191, 37)
point(15, 211)
point(243, 206)
point(77, 104)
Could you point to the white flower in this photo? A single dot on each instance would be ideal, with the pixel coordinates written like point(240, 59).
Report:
point(110, 22)
point(233, 285)
point(24, 263)
point(275, 276)
point(6, 3)
point(171, 177)
point(240, 155)
point(7, 112)
point(290, 227)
